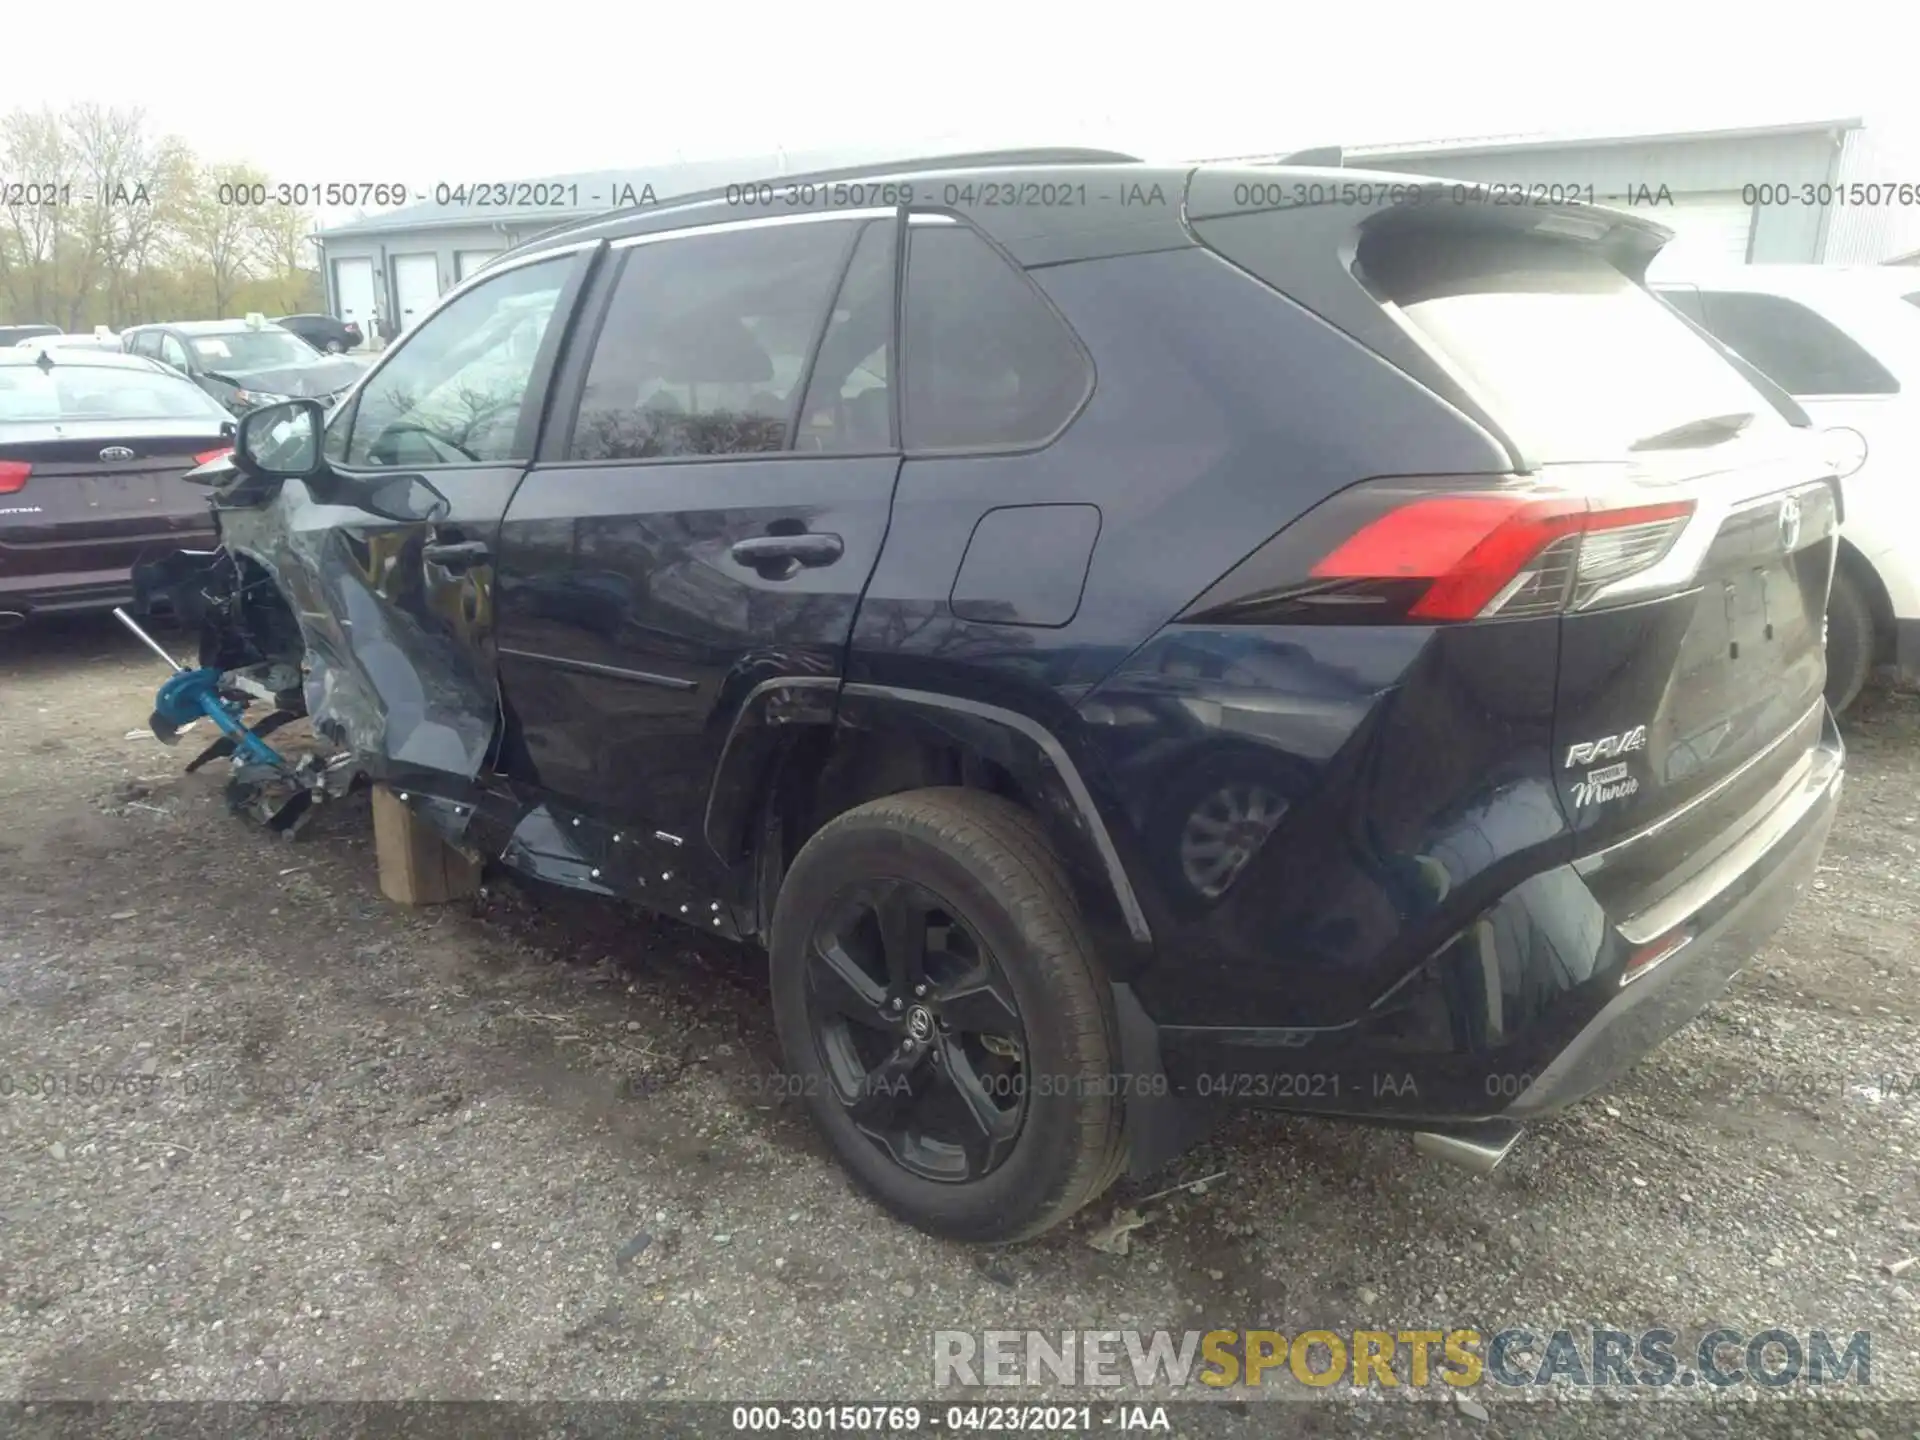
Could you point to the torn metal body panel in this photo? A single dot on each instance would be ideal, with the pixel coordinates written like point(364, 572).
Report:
point(398, 655)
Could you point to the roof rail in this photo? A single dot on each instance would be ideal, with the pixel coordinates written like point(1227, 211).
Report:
point(1041, 155)
point(1330, 156)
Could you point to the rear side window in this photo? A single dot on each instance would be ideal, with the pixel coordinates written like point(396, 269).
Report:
point(1575, 359)
point(1802, 352)
point(987, 364)
point(705, 344)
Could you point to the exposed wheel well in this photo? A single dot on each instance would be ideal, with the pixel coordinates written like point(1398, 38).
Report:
point(1860, 570)
point(826, 771)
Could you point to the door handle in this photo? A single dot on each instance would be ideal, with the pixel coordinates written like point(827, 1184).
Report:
point(788, 551)
point(457, 554)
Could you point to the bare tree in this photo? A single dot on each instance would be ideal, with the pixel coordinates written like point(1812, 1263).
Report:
point(217, 234)
point(35, 155)
point(104, 222)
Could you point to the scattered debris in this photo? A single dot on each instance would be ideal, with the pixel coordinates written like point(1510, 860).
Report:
point(1472, 1409)
point(1199, 1187)
point(631, 1251)
point(1900, 1267)
point(1115, 1237)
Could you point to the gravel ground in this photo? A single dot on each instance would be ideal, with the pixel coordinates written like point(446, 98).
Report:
point(269, 1136)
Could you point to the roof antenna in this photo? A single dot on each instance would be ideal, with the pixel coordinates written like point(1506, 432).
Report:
point(45, 362)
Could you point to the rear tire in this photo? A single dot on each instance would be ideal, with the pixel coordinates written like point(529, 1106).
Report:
point(1849, 641)
point(1001, 903)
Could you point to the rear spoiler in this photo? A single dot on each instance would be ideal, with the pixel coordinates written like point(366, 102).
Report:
point(1314, 257)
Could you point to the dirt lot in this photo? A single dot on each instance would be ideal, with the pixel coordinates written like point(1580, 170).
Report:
point(265, 1135)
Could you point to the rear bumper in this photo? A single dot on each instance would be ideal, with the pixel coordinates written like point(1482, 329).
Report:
point(1526, 1011)
point(73, 591)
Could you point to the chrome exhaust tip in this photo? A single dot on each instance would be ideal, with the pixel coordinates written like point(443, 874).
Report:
point(1479, 1148)
point(11, 619)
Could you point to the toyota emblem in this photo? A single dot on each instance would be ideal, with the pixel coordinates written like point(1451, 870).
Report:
point(116, 452)
point(1790, 524)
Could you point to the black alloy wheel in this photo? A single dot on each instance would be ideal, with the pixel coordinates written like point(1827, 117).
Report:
point(919, 1030)
point(945, 1016)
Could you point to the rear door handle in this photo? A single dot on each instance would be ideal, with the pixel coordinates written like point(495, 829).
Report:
point(788, 551)
point(458, 554)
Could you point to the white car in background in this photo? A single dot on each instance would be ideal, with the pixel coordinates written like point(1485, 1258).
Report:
point(101, 339)
point(1844, 342)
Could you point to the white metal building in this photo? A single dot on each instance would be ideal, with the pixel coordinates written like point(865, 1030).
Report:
point(1809, 192)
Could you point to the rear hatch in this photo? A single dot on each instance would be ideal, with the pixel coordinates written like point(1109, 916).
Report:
point(1692, 593)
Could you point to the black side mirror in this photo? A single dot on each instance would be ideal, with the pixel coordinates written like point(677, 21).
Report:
point(281, 441)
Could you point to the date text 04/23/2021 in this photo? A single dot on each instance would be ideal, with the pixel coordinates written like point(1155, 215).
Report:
point(895, 1420)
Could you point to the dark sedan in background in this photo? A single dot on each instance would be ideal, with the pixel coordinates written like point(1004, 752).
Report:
point(93, 446)
point(244, 363)
point(323, 332)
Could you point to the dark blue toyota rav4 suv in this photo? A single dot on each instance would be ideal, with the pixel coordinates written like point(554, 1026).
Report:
point(1122, 638)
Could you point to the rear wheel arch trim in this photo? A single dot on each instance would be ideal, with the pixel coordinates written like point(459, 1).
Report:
point(737, 757)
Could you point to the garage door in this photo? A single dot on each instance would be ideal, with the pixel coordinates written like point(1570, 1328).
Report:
point(416, 287)
point(465, 262)
point(353, 292)
point(1709, 232)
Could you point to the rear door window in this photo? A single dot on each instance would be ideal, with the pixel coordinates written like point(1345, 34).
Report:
point(1804, 353)
point(849, 406)
point(706, 340)
point(1577, 361)
point(987, 363)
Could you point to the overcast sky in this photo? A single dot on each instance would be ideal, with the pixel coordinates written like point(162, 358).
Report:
point(379, 89)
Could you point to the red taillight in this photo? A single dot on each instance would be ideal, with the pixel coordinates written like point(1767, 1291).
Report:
point(1488, 553)
point(13, 476)
point(205, 455)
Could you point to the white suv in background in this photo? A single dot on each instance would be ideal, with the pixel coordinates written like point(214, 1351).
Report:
point(1844, 342)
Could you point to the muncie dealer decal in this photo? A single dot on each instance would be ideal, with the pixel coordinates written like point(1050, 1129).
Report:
point(1609, 782)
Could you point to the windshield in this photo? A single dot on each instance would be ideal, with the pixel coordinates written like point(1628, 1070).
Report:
point(252, 350)
point(99, 392)
point(1577, 360)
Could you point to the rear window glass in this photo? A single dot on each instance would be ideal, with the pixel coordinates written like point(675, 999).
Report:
point(1576, 360)
point(98, 392)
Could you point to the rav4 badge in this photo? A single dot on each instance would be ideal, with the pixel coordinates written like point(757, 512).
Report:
point(1605, 748)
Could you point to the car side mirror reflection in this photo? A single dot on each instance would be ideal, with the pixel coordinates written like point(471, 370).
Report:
point(280, 441)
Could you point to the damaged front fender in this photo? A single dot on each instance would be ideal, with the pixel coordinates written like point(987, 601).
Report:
point(394, 651)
